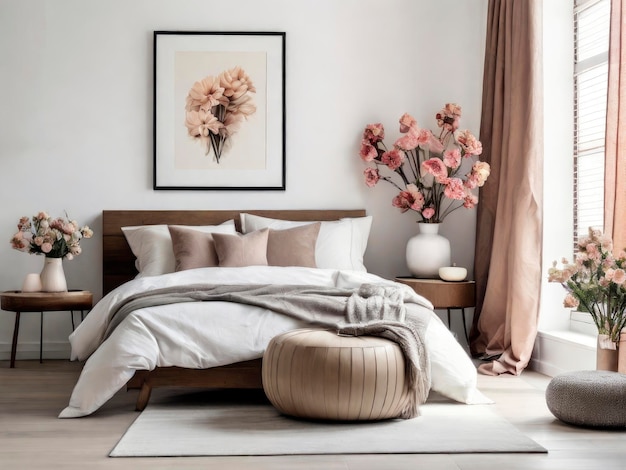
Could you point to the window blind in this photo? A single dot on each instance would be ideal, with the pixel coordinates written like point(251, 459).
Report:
point(591, 46)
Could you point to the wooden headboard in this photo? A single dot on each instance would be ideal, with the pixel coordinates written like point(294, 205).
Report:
point(118, 261)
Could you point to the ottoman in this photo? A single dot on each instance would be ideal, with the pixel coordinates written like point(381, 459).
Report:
point(318, 374)
point(593, 398)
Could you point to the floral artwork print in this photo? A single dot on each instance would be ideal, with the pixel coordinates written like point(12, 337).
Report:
point(216, 107)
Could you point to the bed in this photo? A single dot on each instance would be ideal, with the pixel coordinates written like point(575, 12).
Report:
point(118, 360)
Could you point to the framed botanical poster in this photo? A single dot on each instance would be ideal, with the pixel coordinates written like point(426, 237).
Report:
point(219, 110)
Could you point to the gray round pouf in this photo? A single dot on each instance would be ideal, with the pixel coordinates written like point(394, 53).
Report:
point(594, 398)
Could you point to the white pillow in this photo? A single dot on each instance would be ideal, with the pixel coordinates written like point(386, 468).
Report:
point(453, 374)
point(152, 245)
point(340, 244)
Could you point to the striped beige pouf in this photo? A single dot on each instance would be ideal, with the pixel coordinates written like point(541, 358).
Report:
point(593, 398)
point(317, 374)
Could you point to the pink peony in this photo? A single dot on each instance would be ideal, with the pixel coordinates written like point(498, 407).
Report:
point(452, 158)
point(409, 199)
point(371, 176)
point(409, 141)
point(46, 247)
point(480, 173)
point(470, 201)
point(454, 189)
point(393, 159)
point(469, 143)
point(449, 116)
point(619, 276)
point(407, 122)
point(367, 153)
point(435, 167)
point(374, 133)
point(428, 213)
point(570, 301)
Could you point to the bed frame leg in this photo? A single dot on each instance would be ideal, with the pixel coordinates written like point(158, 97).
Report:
point(144, 396)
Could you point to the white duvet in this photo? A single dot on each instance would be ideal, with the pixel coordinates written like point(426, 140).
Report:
point(199, 335)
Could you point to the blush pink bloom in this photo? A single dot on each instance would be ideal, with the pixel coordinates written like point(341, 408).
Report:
point(470, 201)
point(454, 189)
point(428, 213)
point(46, 247)
point(409, 141)
point(480, 173)
point(570, 301)
point(619, 276)
point(367, 153)
point(449, 116)
point(469, 143)
point(435, 167)
point(374, 133)
point(409, 199)
point(452, 158)
point(371, 176)
point(407, 122)
point(393, 159)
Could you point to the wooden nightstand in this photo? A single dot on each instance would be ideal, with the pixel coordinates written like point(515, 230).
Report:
point(18, 302)
point(444, 294)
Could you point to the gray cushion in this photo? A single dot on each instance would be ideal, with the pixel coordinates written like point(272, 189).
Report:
point(594, 398)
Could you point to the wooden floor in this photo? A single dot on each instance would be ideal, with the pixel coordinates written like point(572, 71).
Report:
point(31, 436)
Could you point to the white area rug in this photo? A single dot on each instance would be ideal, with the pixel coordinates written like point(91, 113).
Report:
point(193, 428)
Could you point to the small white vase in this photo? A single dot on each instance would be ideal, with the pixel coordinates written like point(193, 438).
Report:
point(32, 283)
point(53, 276)
point(427, 251)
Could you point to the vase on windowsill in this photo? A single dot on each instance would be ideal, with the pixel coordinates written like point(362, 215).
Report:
point(607, 354)
point(427, 251)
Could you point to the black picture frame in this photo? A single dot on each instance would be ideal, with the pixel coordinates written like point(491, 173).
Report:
point(219, 110)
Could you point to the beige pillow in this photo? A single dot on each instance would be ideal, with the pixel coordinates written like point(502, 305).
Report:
point(192, 249)
point(242, 250)
point(293, 246)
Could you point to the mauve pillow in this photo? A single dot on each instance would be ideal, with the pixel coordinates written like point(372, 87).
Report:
point(293, 246)
point(192, 249)
point(242, 250)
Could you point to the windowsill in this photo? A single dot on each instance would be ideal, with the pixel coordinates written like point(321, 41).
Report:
point(561, 351)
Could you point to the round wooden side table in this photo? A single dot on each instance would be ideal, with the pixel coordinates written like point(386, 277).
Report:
point(18, 302)
point(445, 294)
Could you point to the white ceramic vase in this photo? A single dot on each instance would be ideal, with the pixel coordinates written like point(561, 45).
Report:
point(427, 251)
point(53, 276)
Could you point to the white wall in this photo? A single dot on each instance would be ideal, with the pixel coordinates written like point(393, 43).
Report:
point(76, 115)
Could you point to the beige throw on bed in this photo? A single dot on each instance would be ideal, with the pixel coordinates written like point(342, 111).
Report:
point(372, 310)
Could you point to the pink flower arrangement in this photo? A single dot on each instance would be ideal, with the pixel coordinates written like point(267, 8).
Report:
point(216, 106)
point(54, 238)
point(427, 169)
point(595, 282)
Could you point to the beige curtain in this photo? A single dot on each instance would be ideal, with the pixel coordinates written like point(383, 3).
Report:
point(615, 153)
point(508, 267)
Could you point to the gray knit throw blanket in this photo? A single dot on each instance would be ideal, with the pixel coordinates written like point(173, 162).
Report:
point(372, 310)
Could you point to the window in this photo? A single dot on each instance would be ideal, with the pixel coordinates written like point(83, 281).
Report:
point(591, 46)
